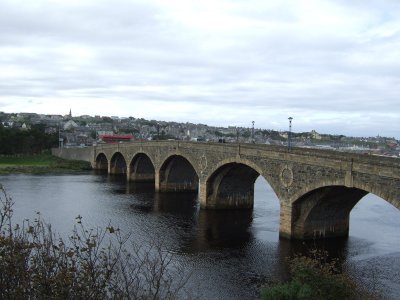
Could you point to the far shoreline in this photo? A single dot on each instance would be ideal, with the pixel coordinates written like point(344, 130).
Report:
point(43, 163)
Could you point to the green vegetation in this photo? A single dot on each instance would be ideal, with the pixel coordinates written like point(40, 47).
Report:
point(32, 141)
point(27, 151)
point(107, 120)
point(90, 264)
point(40, 163)
point(315, 277)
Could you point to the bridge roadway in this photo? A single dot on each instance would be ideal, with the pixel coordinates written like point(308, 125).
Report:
point(316, 188)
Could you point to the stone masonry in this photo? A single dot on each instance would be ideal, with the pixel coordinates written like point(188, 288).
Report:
point(316, 188)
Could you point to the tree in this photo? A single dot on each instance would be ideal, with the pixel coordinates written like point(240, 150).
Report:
point(107, 120)
point(34, 141)
point(93, 134)
point(246, 134)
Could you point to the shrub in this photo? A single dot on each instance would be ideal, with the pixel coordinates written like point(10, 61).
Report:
point(316, 277)
point(91, 264)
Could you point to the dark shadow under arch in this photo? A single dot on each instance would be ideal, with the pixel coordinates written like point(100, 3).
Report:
point(178, 174)
point(324, 212)
point(231, 186)
point(141, 168)
point(118, 164)
point(101, 162)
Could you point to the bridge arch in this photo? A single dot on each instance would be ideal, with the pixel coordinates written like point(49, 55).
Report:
point(324, 209)
point(118, 164)
point(101, 162)
point(141, 168)
point(304, 180)
point(177, 173)
point(231, 184)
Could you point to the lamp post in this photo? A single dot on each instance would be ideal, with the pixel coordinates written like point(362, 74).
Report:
point(158, 131)
point(60, 140)
point(290, 133)
point(252, 132)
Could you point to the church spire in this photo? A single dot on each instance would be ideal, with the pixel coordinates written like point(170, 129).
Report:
point(70, 113)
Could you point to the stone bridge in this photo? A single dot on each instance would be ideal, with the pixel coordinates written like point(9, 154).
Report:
point(316, 188)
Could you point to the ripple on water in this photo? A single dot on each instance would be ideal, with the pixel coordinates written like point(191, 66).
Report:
point(229, 253)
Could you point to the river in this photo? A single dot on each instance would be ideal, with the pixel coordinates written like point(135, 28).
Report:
point(231, 253)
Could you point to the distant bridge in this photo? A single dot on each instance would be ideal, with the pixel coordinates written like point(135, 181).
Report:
point(316, 188)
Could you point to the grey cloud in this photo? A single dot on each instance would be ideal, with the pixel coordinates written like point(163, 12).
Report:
point(138, 53)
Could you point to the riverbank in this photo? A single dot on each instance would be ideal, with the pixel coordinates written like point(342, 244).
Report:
point(40, 164)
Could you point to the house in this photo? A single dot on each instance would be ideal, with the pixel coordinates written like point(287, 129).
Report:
point(70, 124)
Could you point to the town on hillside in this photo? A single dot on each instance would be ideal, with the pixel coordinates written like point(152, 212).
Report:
point(82, 131)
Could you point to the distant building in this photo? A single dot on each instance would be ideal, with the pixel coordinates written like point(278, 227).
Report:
point(50, 130)
point(8, 124)
point(315, 135)
point(25, 127)
point(55, 117)
point(105, 132)
point(283, 134)
point(70, 125)
point(116, 138)
point(26, 115)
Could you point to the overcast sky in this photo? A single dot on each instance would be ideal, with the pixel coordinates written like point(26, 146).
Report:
point(334, 66)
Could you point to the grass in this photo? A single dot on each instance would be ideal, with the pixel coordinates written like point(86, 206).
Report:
point(41, 163)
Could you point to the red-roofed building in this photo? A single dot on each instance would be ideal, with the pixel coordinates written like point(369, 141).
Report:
point(116, 138)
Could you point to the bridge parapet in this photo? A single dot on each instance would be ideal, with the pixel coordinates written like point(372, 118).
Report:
point(316, 188)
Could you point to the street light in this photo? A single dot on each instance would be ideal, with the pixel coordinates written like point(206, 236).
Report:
point(290, 133)
point(60, 139)
point(252, 133)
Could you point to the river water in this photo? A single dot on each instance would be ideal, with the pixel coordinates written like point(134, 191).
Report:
point(231, 253)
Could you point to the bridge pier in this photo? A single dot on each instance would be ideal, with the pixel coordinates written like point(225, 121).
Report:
point(202, 194)
point(316, 188)
point(300, 229)
point(317, 229)
point(157, 182)
point(285, 223)
point(321, 213)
